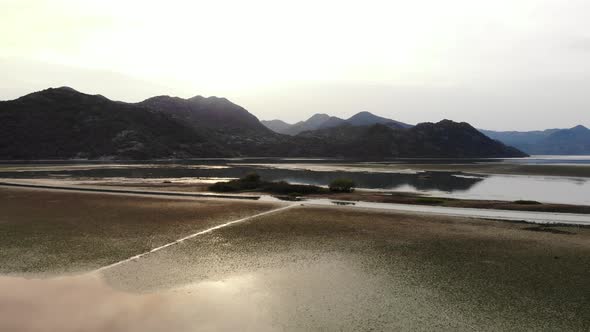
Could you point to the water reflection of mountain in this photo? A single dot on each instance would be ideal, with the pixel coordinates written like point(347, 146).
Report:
point(443, 181)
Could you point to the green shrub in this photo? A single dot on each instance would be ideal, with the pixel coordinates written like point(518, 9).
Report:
point(249, 182)
point(429, 201)
point(342, 186)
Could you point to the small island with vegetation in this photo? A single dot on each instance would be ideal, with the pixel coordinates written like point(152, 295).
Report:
point(253, 183)
point(344, 189)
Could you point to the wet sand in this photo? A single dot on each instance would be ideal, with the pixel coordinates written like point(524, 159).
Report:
point(336, 269)
point(53, 232)
point(309, 268)
point(87, 303)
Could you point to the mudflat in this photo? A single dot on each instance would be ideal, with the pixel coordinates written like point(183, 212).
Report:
point(347, 269)
point(305, 268)
point(52, 232)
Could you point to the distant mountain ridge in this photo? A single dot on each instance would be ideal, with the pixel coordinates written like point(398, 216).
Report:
point(63, 123)
point(322, 121)
point(317, 121)
point(435, 140)
point(572, 141)
point(366, 119)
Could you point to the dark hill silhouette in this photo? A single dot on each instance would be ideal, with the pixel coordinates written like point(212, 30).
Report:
point(443, 139)
point(211, 112)
point(63, 123)
point(223, 122)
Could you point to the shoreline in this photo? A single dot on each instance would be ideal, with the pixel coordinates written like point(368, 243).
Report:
point(483, 166)
point(417, 199)
point(361, 195)
point(533, 217)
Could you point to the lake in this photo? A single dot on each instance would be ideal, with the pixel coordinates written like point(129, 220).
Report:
point(407, 175)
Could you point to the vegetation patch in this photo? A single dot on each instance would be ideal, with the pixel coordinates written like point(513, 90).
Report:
point(526, 202)
point(342, 186)
point(252, 182)
point(343, 203)
point(429, 201)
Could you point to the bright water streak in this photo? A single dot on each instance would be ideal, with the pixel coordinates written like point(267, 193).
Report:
point(548, 189)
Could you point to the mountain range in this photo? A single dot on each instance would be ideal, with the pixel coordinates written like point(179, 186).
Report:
point(572, 141)
point(322, 121)
point(62, 123)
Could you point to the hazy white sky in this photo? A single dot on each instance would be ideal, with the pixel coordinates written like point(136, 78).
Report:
point(496, 64)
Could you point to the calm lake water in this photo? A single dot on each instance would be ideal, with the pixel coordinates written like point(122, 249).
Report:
point(375, 176)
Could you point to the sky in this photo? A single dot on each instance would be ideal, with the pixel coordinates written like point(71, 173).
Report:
point(503, 65)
